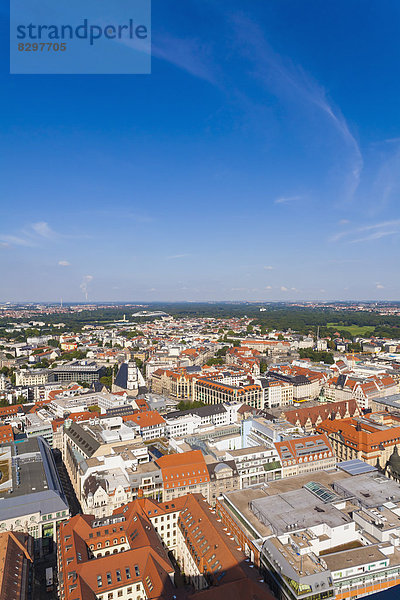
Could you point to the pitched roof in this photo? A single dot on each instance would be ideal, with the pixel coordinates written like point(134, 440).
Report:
point(186, 468)
point(321, 411)
point(149, 418)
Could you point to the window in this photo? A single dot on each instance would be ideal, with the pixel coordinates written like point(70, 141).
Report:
point(109, 580)
point(128, 573)
point(118, 575)
point(99, 581)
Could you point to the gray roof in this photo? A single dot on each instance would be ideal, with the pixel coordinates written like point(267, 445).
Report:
point(36, 485)
point(370, 490)
point(82, 438)
point(42, 502)
point(298, 509)
point(121, 379)
point(294, 379)
point(202, 411)
point(355, 466)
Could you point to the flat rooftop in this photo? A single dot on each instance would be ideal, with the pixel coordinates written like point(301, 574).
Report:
point(299, 508)
point(288, 484)
point(303, 564)
point(371, 489)
point(353, 558)
point(248, 450)
point(35, 483)
point(241, 499)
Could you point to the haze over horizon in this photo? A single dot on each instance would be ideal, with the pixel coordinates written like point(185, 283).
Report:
point(259, 161)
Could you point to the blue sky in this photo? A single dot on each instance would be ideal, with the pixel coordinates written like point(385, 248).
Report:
point(260, 160)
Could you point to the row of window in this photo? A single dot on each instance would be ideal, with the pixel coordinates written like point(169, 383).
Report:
point(118, 577)
point(119, 594)
point(107, 543)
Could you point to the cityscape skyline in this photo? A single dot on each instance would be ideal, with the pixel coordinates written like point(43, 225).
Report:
point(259, 161)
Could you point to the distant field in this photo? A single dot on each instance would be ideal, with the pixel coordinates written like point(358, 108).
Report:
point(353, 329)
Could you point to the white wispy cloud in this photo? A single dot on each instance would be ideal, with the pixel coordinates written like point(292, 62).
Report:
point(366, 233)
point(290, 82)
point(43, 230)
point(64, 263)
point(269, 268)
point(16, 240)
point(287, 199)
point(176, 256)
point(283, 288)
point(379, 286)
point(193, 55)
point(29, 236)
point(279, 75)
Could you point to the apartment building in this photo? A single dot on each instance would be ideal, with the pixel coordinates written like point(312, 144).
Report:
point(276, 393)
point(305, 455)
point(371, 438)
point(213, 392)
point(151, 424)
point(31, 377)
point(255, 465)
point(126, 555)
point(108, 482)
point(38, 425)
point(187, 422)
point(6, 434)
point(260, 430)
point(224, 477)
point(96, 439)
point(16, 558)
point(184, 473)
point(364, 390)
point(304, 387)
point(309, 417)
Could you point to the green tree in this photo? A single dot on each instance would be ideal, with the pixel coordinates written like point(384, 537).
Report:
point(215, 361)
point(53, 343)
point(189, 405)
point(317, 356)
point(107, 381)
